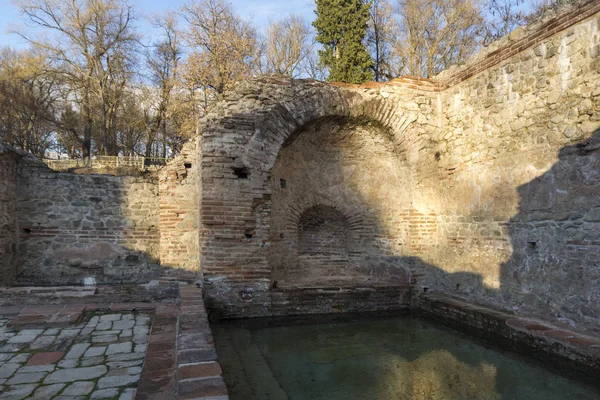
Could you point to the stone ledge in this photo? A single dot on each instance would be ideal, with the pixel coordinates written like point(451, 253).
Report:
point(569, 352)
point(336, 299)
point(199, 374)
point(181, 362)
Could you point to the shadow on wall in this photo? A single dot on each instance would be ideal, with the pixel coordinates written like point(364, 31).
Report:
point(553, 271)
point(85, 229)
point(327, 208)
point(75, 229)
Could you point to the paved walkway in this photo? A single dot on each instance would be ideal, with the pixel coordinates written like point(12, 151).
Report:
point(142, 342)
point(99, 358)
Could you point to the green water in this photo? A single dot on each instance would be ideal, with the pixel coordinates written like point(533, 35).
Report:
point(377, 359)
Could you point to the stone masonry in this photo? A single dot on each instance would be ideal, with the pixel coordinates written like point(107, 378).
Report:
point(179, 210)
point(75, 227)
point(8, 222)
point(101, 358)
point(301, 196)
point(480, 184)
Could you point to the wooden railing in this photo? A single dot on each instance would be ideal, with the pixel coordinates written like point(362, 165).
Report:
point(138, 162)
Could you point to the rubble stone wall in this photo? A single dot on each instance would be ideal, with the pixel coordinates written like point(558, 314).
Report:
point(273, 129)
point(482, 183)
point(8, 221)
point(77, 229)
point(517, 178)
point(332, 221)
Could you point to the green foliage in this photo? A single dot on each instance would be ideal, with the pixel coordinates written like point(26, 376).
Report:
point(341, 28)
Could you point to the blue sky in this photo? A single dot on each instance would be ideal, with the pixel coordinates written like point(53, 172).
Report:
point(258, 11)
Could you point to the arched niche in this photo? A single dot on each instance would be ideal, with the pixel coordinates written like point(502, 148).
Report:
point(323, 240)
point(339, 195)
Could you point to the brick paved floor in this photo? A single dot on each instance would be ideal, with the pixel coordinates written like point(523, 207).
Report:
point(99, 358)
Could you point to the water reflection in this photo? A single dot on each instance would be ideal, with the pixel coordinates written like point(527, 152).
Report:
point(438, 375)
point(397, 358)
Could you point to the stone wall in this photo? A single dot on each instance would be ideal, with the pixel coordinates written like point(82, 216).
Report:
point(77, 229)
point(517, 175)
point(492, 194)
point(8, 222)
point(481, 184)
point(331, 221)
point(179, 187)
point(269, 157)
point(81, 228)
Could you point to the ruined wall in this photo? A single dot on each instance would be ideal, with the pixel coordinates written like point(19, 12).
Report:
point(500, 158)
point(8, 222)
point(481, 184)
point(77, 227)
point(179, 188)
point(250, 222)
point(518, 172)
point(331, 221)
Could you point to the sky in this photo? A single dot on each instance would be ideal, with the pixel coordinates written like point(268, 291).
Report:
point(260, 12)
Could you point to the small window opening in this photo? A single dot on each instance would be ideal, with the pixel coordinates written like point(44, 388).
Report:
point(27, 230)
point(187, 165)
point(249, 233)
point(437, 156)
point(283, 183)
point(241, 172)
point(531, 245)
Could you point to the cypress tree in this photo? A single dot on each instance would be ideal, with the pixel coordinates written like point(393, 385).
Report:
point(341, 28)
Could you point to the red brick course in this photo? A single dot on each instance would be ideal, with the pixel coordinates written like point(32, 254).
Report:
point(181, 358)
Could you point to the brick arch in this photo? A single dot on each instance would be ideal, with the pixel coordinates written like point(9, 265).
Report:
point(359, 224)
point(279, 117)
point(242, 137)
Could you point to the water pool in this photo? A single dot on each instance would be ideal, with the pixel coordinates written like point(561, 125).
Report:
point(377, 359)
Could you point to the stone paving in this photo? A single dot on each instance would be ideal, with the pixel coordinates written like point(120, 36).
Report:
point(99, 358)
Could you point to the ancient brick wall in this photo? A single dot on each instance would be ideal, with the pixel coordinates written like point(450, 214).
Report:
point(323, 240)
point(8, 222)
point(499, 159)
point(331, 221)
point(86, 228)
point(482, 184)
point(267, 160)
point(179, 188)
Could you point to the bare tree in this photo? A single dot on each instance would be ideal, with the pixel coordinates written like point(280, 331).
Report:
point(503, 17)
point(288, 45)
point(224, 47)
point(539, 7)
point(381, 37)
point(436, 34)
point(90, 45)
point(162, 62)
point(313, 68)
point(27, 100)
